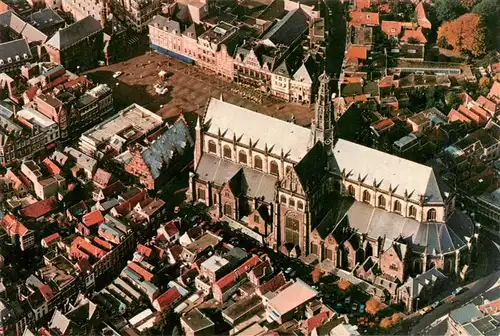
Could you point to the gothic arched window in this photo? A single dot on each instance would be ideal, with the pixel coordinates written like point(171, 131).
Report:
point(412, 212)
point(381, 201)
point(397, 206)
point(227, 152)
point(431, 215)
point(273, 168)
point(257, 162)
point(242, 157)
point(212, 147)
point(366, 196)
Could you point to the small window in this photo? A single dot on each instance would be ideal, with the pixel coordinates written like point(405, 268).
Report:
point(227, 152)
point(397, 206)
point(431, 215)
point(288, 169)
point(381, 201)
point(201, 193)
point(257, 162)
point(283, 199)
point(366, 196)
point(212, 147)
point(242, 156)
point(350, 190)
point(273, 168)
point(412, 212)
point(291, 202)
point(300, 205)
point(256, 218)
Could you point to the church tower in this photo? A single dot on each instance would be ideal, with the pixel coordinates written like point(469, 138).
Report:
point(322, 125)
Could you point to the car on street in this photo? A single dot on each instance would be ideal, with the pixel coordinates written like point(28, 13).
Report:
point(435, 304)
point(425, 310)
point(354, 306)
point(117, 74)
point(458, 290)
point(362, 308)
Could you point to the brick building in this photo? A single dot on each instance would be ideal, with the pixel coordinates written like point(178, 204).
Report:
point(78, 46)
point(136, 13)
point(272, 171)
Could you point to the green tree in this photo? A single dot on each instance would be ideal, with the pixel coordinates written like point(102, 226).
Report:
point(446, 10)
point(490, 13)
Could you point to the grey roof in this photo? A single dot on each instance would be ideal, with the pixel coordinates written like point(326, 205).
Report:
point(279, 136)
point(390, 171)
point(15, 48)
point(430, 238)
point(167, 24)
point(175, 140)
point(44, 18)
point(196, 320)
point(288, 29)
point(243, 179)
point(75, 32)
point(414, 286)
point(466, 314)
point(20, 27)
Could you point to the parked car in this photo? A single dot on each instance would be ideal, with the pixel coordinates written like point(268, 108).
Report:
point(347, 300)
point(435, 304)
point(458, 290)
point(425, 310)
point(362, 308)
point(117, 74)
point(354, 306)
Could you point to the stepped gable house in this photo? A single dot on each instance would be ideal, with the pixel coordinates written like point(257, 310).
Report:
point(306, 192)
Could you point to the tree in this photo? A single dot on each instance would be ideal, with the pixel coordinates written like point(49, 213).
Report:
point(485, 82)
point(316, 274)
point(465, 34)
point(451, 99)
point(469, 4)
point(344, 285)
point(490, 12)
point(446, 10)
point(373, 306)
point(386, 323)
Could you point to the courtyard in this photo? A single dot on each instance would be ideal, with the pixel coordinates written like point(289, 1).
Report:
point(188, 89)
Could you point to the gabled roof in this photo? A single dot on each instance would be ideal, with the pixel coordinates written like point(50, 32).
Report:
point(39, 208)
point(288, 29)
point(422, 16)
point(311, 169)
point(11, 49)
point(167, 299)
point(273, 284)
point(391, 28)
point(52, 238)
point(359, 18)
point(410, 34)
point(93, 218)
point(388, 171)
point(13, 226)
point(173, 141)
point(245, 125)
point(229, 280)
point(74, 33)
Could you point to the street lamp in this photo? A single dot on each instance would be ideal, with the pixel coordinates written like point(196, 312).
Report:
point(416, 308)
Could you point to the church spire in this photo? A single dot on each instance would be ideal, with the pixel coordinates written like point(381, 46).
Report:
point(322, 123)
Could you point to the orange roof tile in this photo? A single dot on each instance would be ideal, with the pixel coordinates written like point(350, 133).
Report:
point(495, 90)
point(51, 166)
point(144, 250)
point(141, 271)
point(273, 284)
point(31, 92)
point(357, 52)
point(383, 124)
point(101, 178)
point(410, 34)
point(93, 218)
point(359, 18)
point(317, 321)
point(102, 243)
point(391, 28)
point(454, 115)
point(46, 292)
point(487, 104)
point(13, 226)
point(360, 4)
point(80, 243)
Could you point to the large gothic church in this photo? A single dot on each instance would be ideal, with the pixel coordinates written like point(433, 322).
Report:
point(306, 193)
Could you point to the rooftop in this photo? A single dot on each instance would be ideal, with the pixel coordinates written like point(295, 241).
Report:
point(293, 296)
point(204, 242)
point(74, 33)
point(214, 263)
point(196, 320)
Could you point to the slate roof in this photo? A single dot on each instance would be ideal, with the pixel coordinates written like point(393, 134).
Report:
point(20, 27)
point(167, 24)
point(74, 33)
point(388, 170)
point(312, 168)
point(175, 140)
point(15, 48)
point(246, 125)
point(44, 18)
point(288, 29)
point(414, 286)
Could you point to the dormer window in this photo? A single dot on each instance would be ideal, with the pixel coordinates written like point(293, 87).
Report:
point(1, 61)
point(18, 58)
point(25, 56)
point(9, 60)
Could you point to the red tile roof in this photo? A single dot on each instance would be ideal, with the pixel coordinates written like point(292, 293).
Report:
point(54, 83)
point(360, 4)
point(454, 115)
point(141, 271)
point(317, 321)
point(93, 218)
point(79, 243)
point(46, 292)
point(40, 208)
point(227, 281)
point(171, 228)
point(144, 250)
point(73, 82)
point(422, 17)
point(167, 299)
point(16, 181)
point(359, 18)
point(383, 124)
point(13, 226)
point(357, 52)
point(495, 90)
point(51, 166)
point(391, 28)
point(52, 238)
point(127, 206)
point(417, 35)
point(101, 178)
point(273, 284)
point(31, 92)
point(104, 244)
point(386, 82)
point(487, 104)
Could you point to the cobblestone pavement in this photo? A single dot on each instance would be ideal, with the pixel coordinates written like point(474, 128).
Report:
point(189, 89)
